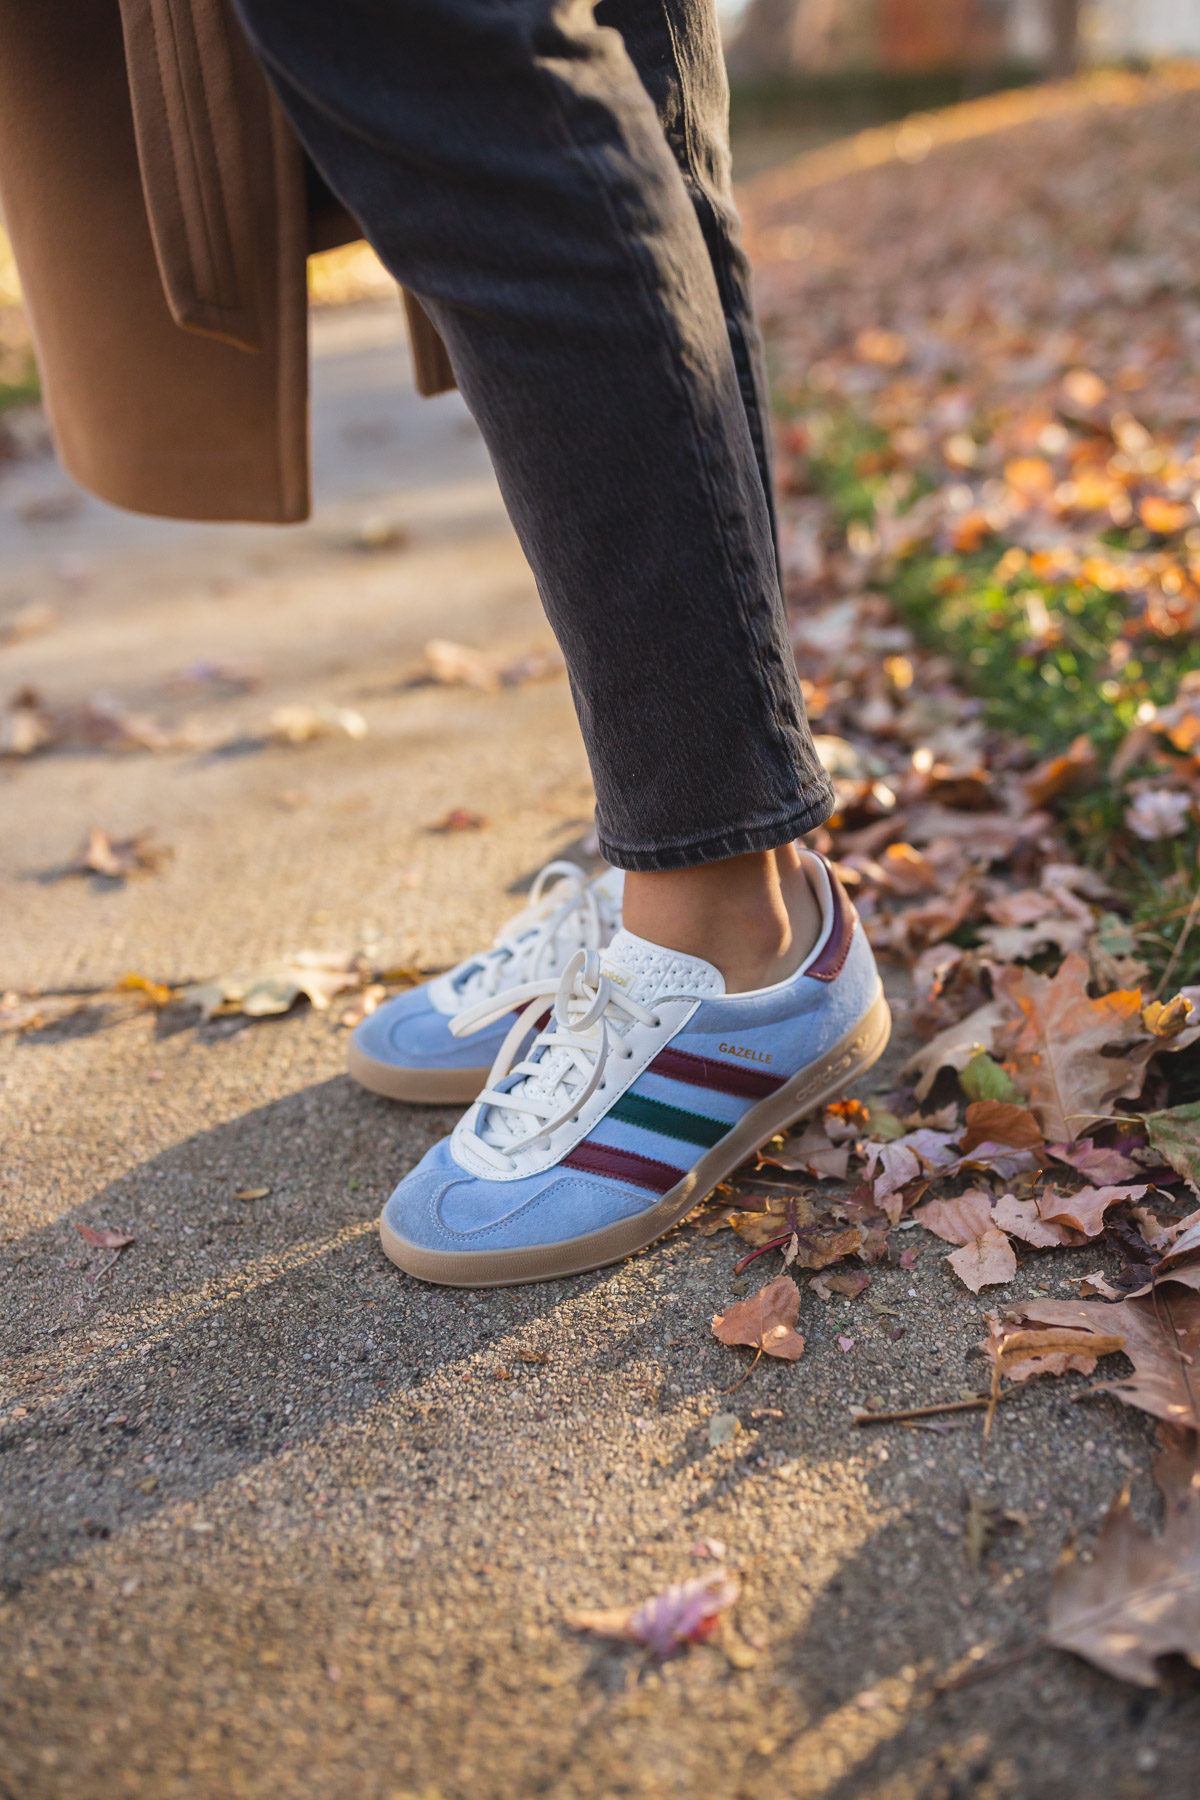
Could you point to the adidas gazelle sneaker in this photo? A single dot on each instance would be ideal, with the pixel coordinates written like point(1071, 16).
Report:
point(647, 1085)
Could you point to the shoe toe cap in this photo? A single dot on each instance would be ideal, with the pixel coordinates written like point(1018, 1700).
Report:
point(409, 1032)
point(439, 1206)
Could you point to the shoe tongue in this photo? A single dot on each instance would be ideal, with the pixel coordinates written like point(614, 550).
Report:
point(647, 972)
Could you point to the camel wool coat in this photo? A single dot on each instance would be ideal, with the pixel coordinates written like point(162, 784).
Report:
point(158, 206)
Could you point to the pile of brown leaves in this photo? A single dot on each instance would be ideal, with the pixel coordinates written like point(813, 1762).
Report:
point(1034, 390)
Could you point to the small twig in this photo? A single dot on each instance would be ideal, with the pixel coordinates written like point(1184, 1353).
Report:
point(994, 1398)
point(749, 1372)
point(1180, 942)
point(923, 1412)
point(980, 1671)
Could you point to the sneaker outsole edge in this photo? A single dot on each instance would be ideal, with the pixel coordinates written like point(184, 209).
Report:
point(420, 1087)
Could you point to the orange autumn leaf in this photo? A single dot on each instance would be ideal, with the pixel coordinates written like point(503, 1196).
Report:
point(1058, 774)
point(1000, 1122)
point(766, 1322)
point(907, 871)
point(886, 349)
point(969, 532)
point(1164, 516)
point(1031, 478)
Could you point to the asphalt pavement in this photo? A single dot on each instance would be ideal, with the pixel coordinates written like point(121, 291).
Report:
point(278, 1520)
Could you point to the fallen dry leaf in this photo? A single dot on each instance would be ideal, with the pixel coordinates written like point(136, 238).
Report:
point(906, 871)
point(276, 986)
point(1048, 1350)
point(1021, 1219)
point(363, 1005)
point(118, 858)
point(1175, 1134)
point(782, 1214)
point(957, 1045)
point(1138, 1599)
point(1162, 1337)
point(820, 1245)
point(25, 725)
point(846, 1120)
point(1169, 1018)
point(685, 1614)
point(105, 1238)
point(454, 665)
point(984, 1079)
point(1085, 1210)
point(459, 818)
point(155, 993)
point(765, 1322)
point(850, 1283)
point(300, 724)
point(901, 1162)
point(1058, 774)
point(985, 1262)
point(1058, 1041)
point(29, 621)
point(102, 723)
point(1000, 1122)
point(1020, 943)
point(1102, 1164)
point(958, 1221)
point(811, 1151)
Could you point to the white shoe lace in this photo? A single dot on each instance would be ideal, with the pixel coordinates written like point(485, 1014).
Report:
point(565, 912)
point(588, 1020)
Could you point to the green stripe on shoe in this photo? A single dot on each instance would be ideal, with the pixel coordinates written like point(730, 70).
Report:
point(671, 1121)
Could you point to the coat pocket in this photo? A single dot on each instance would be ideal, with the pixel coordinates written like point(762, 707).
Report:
point(191, 78)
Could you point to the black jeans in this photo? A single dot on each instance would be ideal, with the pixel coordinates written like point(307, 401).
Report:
point(554, 186)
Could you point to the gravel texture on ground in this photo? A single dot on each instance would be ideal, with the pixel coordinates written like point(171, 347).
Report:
point(280, 1520)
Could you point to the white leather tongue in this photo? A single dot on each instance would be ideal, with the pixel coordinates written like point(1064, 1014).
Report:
point(647, 972)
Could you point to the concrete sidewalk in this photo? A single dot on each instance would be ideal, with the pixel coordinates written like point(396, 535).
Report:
point(279, 1520)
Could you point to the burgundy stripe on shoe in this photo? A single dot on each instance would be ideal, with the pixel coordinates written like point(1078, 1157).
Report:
point(726, 1078)
point(832, 959)
point(623, 1165)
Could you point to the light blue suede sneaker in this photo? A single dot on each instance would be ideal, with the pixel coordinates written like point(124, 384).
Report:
point(407, 1049)
point(647, 1087)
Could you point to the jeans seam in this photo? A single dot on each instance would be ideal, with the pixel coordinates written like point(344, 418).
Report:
point(722, 259)
point(627, 238)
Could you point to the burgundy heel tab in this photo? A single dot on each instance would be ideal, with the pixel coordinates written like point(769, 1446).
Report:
point(831, 960)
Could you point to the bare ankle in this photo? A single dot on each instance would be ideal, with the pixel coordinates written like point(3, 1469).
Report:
point(755, 917)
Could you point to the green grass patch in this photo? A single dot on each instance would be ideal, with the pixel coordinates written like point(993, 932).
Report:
point(1053, 656)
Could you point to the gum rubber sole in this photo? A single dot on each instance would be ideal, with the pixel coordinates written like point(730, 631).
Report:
point(421, 1087)
point(814, 1086)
